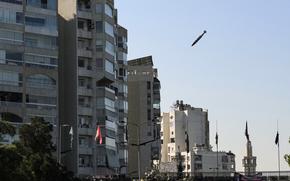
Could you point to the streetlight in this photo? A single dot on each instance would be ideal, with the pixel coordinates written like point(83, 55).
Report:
point(59, 140)
point(139, 144)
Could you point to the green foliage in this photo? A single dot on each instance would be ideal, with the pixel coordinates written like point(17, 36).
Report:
point(31, 158)
point(287, 157)
point(6, 128)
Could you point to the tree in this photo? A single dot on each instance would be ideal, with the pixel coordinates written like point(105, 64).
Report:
point(6, 128)
point(287, 156)
point(31, 158)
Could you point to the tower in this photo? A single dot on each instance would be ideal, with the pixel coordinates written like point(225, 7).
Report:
point(249, 161)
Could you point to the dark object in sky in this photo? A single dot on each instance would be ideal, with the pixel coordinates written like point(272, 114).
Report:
point(216, 139)
point(246, 131)
point(200, 36)
point(277, 138)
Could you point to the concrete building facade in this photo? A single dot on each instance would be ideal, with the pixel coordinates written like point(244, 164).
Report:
point(93, 86)
point(200, 160)
point(180, 120)
point(29, 58)
point(143, 116)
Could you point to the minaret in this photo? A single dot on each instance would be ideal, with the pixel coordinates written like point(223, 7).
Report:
point(249, 161)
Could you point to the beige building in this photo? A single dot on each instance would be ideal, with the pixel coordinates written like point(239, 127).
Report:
point(93, 87)
point(144, 113)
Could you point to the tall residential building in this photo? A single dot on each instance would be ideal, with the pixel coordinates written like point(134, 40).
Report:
point(143, 116)
point(197, 157)
point(180, 120)
point(29, 62)
point(93, 86)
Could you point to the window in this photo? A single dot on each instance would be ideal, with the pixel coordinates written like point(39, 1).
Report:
point(149, 114)
point(109, 67)
point(9, 78)
point(148, 85)
point(110, 48)
point(172, 140)
point(99, 8)
point(99, 63)
point(99, 26)
point(109, 29)
point(10, 15)
point(198, 166)
point(34, 21)
point(40, 81)
point(108, 10)
point(225, 159)
point(13, 36)
point(34, 60)
point(81, 24)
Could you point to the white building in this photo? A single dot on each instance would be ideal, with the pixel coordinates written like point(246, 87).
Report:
point(200, 160)
point(205, 162)
point(174, 125)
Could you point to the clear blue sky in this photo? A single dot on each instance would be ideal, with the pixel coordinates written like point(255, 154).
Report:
point(239, 71)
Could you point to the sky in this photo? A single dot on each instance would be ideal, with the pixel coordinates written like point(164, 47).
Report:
point(239, 71)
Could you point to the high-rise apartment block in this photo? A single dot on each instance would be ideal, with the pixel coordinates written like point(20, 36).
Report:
point(94, 86)
point(66, 61)
point(143, 117)
point(29, 58)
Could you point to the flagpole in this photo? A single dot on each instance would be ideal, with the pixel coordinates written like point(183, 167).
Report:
point(217, 152)
point(278, 151)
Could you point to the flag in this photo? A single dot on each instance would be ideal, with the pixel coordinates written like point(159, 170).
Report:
point(99, 135)
point(277, 138)
point(216, 138)
point(246, 131)
point(187, 143)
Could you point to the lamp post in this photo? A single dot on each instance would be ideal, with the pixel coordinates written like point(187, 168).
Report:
point(59, 140)
point(139, 144)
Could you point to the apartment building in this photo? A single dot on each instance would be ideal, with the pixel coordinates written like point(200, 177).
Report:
point(93, 86)
point(143, 116)
point(29, 58)
point(181, 120)
point(196, 157)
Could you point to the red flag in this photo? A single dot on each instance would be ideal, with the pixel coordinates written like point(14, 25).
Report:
point(99, 135)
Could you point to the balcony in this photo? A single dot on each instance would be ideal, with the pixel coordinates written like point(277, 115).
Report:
point(87, 72)
point(105, 92)
point(49, 31)
point(85, 150)
point(85, 52)
point(85, 111)
point(87, 131)
point(84, 34)
point(85, 91)
point(85, 170)
point(41, 109)
point(12, 1)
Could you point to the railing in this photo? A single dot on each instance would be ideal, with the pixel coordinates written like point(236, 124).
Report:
point(12, 1)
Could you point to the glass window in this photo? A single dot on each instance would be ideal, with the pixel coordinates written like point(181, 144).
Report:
point(110, 48)
point(99, 8)
point(39, 41)
point(34, 21)
point(11, 36)
point(109, 67)
point(46, 4)
point(10, 15)
point(99, 26)
point(40, 60)
point(108, 10)
point(109, 29)
point(40, 81)
point(10, 78)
